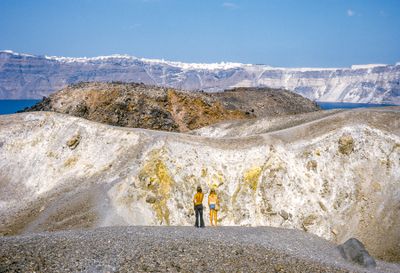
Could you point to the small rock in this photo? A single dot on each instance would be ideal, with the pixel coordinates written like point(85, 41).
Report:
point(334, 231)
point(74, 142)
point(323, 207)
point(239, 252)
point(309, 220)
point(284, 214)
point(354, 251)
point(376, 186)
point(346, 144)
point(151, 199)
point(312, 165)
point(279, 268)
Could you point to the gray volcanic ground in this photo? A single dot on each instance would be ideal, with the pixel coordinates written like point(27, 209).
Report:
point(335, 174)
point(176, 249)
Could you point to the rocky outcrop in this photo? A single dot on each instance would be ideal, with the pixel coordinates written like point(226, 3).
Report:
point(167, 109)
point(27, 76)
point(122, 176)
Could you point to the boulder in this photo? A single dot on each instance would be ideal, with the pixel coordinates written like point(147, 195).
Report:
point(354, 251)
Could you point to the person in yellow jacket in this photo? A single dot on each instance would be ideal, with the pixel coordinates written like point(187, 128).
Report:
point(198, 207)
point(213, 204)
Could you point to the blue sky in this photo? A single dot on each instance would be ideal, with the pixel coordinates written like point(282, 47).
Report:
point(292, 33)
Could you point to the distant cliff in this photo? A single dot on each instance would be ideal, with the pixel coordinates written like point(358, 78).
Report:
point(28, 76)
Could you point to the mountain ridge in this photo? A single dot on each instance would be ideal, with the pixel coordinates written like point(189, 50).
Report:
point(29, 76)
point(193, 64)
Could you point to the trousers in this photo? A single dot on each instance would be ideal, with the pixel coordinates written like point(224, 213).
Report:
point(199, 216)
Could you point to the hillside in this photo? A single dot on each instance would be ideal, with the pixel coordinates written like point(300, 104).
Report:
point(335, 175)
point(27, 76)
point(167, 109)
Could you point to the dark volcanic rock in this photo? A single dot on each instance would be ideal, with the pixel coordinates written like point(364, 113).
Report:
point(167, 109)
point(354, 251)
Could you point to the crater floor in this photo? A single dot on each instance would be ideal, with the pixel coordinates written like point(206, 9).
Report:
point(175, 249)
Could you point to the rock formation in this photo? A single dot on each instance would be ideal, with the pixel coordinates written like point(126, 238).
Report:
point(167, 109)
point(335, 174)
point(28, 76)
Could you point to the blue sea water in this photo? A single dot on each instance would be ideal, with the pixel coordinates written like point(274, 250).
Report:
point(347, 105)
point(12, 106)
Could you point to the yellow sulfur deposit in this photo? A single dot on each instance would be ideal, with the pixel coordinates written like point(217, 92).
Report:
point(251, 177)
point(157, 179)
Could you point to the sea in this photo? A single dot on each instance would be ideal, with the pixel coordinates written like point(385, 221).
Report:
point(12, 106)
point(348, 105)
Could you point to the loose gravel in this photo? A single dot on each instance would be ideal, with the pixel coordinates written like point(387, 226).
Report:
point(175, 249)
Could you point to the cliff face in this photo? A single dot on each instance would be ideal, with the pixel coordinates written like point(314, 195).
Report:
point(167, 109)
point(336, 175)
point(27, 76)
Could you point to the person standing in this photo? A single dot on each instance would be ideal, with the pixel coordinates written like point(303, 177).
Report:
point(213, 204)
point(198, 207)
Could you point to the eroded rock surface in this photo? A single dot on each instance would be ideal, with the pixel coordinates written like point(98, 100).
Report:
point(123, 176)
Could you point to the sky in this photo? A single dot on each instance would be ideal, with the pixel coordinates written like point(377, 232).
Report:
point(287, 33)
